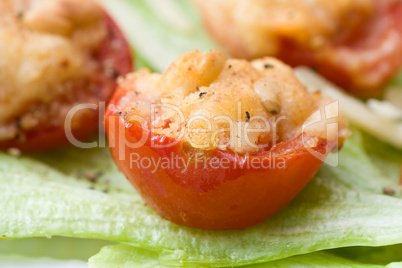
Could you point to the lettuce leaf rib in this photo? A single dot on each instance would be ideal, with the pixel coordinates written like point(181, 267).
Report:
point(157, 35)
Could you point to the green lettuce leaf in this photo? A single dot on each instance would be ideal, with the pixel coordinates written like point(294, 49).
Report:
point(61, 248)
point(373, 255)
point(125, 256)
point(386, 158)
point(342, 206)
point(160, 31)
point(131, 257)
point(13, 261)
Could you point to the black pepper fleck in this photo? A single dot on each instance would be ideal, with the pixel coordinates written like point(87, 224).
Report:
point(335, 149)
point(388, 191)
point(20, 137)
point(113, 73)
point(90, 176)
point(247, 116)
point(202, 94)
point(18, 122)
point(268, 66)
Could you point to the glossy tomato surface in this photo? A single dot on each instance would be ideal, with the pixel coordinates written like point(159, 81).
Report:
point(114, 54)
point(361, 61)
point(213, 190)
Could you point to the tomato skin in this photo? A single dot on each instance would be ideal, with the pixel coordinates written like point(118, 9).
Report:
point(364, 61)
point(55, 136)
point(203, 196)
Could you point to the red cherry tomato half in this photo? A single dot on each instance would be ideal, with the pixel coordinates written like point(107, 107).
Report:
point(364, 61)
point(116, 52)
point(234, 194)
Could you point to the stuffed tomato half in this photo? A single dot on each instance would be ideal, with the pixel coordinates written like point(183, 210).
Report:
point(217, 143)
point(356, 44)
point(56, 55)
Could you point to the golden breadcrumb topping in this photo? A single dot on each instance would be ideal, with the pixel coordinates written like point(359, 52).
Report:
point(214, 102)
